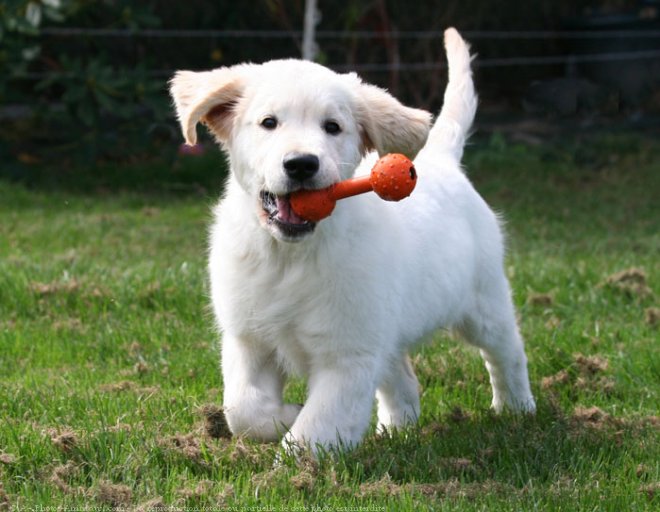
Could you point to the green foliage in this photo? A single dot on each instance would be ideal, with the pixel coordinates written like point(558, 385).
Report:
point(20, 21)
point(95, 94)
point(87, 94)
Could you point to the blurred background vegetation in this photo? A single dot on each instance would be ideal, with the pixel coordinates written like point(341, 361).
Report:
point(83, 83)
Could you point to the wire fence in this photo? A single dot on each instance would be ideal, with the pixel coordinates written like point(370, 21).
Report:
point(485, 62)
point(349, 34)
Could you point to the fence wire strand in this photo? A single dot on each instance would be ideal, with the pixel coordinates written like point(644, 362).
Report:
point(348, 34)
point(496, 62)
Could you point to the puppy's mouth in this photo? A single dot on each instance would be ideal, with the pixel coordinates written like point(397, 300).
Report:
point(280, 215)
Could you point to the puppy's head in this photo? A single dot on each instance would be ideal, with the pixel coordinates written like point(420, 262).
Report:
point(292, 124)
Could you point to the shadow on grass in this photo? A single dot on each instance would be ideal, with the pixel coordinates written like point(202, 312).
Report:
point(509, 450)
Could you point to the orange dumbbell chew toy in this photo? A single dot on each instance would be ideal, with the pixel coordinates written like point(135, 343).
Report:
point(393, 177)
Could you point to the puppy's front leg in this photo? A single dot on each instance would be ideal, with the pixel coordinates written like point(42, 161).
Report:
point(339, 404)
point(398, 395)
point(253, 386)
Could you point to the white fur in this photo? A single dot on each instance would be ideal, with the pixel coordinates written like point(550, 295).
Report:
point(343, 305)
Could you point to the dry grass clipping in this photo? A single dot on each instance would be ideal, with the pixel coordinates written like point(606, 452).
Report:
point(584, 373)
point(115, 495)
point(203, 488)
point(215, 422)
point(252, 454)
point(632, 281)
point(44, 289)
point(561, 377)
point(651, 490)
point(61, 474)
point(540, 299)
point(652, 316)
point(305, 479)
point(452, 488)
point(65, 440)
point(590, 365)
point(186, 445)
point(8, 458)
point(128, 385)
point(5, 503)
point(593, 417)
point(153, 505)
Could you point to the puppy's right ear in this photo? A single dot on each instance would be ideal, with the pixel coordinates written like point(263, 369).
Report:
point(387, 125)
point(207, 96)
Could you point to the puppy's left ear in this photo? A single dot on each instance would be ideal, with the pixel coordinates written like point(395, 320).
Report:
point(387, 125)
point(209, 97)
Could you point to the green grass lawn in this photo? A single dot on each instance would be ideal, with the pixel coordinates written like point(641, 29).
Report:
point(109, 376)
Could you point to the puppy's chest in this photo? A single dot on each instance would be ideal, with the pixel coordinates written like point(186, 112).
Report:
point(290, 319)
point(285, 305)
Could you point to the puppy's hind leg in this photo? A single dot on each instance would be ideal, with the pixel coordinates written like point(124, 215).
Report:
point(398, 395)
point(493, 329)
point(253, 386)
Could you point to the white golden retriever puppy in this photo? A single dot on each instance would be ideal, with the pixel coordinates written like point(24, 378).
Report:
point(343, 300)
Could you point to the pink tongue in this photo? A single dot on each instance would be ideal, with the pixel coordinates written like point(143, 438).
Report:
point(285, 213)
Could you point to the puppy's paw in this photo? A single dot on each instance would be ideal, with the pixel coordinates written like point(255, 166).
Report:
point(524, 405)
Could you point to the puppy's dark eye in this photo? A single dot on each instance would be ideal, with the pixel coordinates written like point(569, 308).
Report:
point(269, 123)
point(332, 127)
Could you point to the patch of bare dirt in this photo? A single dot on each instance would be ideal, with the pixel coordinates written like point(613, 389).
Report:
point(70, 324)
point(632, 281)
point(383, 487)
point(643, 471)
point(153, 505)
point(5, 502)
point(653, 421)
point(215, 422)
point(44, 289)
point(458, 464)
point(452, 488)
point(65, 440)
point(594, 415)
point(584, 373)
point(563, 485)
point(590, 365)
point(459, 415)
point(125, 427)
point(8, 458)
point(115, 495)
point(652, 316)
point(127, 385)
point(150, 211)
point(243, 452)
point(140, 368)
point(305, 479)
point(552, 323)
point(60, 476)
point(540, 299)
point(186, 445)
point(652, 491)
point(561, 377)
point(202, 489)
point(116, 387)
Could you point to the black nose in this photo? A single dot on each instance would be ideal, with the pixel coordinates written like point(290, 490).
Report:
point(300, 167)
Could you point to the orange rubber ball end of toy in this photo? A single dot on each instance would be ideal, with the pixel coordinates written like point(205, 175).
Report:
point(313, 205)
point(393, 177)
